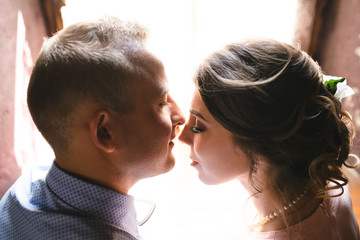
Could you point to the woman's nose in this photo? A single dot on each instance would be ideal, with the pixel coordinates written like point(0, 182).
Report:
point(184, 135)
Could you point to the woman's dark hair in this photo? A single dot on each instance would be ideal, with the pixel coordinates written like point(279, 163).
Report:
point(270, 95)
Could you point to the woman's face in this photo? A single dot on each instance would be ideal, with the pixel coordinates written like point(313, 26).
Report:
point(213, 152)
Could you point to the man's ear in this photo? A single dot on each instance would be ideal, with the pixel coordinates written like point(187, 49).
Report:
point(100, 131)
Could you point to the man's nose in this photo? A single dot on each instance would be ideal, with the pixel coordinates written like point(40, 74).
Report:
point(177, 117)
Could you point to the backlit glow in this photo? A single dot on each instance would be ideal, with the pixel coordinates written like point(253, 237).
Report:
point(182, 33)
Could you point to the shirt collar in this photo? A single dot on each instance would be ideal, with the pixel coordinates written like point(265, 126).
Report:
point(93, 200)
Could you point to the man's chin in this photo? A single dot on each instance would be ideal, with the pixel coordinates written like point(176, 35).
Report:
point(169, 165)
point(165, 168)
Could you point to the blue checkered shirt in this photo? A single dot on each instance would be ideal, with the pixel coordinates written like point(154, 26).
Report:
point(52, 204)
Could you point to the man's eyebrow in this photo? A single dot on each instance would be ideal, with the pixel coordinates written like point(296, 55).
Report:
point(198, 115)
point(164, 91)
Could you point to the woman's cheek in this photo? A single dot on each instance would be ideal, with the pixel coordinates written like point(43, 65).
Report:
point(203, 149)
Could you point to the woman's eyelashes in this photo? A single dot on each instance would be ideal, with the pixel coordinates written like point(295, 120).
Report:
point(197, 128)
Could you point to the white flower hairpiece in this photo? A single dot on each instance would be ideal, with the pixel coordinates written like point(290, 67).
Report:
point(337, 86)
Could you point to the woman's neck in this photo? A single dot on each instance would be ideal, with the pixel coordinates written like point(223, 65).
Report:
point(287, 213)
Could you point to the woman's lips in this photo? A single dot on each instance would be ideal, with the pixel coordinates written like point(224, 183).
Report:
point(192, 158)
point(194, 163)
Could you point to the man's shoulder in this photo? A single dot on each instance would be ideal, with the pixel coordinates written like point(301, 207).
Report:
point(30, 210)
point(60, 225)
point(24, 196)
point(30, 184)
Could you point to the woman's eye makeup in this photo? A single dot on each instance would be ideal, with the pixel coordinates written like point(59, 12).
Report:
point(197, 128)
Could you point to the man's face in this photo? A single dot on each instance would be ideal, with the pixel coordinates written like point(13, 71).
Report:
point(147, 133)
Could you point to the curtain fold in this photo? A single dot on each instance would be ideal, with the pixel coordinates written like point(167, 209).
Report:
point(52, 14)
point(308, 24)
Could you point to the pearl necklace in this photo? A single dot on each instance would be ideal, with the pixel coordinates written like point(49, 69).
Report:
point(277, 213)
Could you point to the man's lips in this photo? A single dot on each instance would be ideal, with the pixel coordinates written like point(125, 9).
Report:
point(175, 132)
point(172, 137)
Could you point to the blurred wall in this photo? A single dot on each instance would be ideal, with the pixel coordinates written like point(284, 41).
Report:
point(22, 31)
point(335, 44)
point(337, 50)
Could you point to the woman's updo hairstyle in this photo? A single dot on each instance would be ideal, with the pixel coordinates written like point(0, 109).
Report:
point(270, 95)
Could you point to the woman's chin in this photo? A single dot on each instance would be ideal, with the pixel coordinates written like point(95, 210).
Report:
point(208, 180)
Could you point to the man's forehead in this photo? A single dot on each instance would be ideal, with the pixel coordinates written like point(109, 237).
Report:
point(151, 77)
point(155, 85)
point(156, 73)
point(149, 61)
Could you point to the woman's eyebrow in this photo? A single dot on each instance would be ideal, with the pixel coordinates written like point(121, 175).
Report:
point(198, 115)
